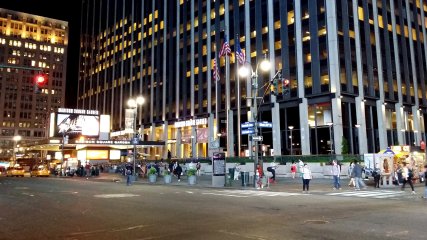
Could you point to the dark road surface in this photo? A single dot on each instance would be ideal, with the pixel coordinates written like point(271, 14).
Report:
point(59, 208)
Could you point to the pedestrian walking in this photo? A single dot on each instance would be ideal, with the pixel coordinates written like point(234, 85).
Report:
point(306, 177)
point(425, 181)
point(178, 171)
point(198, 166)
point(351, 183)
point(293, 169)
point(169, 155)
point(259, 175)
point(300, 166)
point(128, 177)
point(399, 177)
point(336, 172)
point(357, 174)
point(272, 169)
point(407, 175)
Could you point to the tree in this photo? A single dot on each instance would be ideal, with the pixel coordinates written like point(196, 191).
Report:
point(344, 146)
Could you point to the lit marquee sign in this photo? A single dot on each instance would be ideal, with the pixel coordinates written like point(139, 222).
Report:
point(78, 111)
point(192, 122)
point(75, 122)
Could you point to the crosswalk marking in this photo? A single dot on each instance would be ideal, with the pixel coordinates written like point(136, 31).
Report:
point(249, 193)
point(380, 194)
point(119, 195)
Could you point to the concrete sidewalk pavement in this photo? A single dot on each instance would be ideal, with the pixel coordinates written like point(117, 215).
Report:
point(282, 184)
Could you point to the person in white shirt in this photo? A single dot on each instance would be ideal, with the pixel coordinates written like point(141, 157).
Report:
point(300, 166)
point(350, 170)
point(336, 172)
point(272, 169)
point(236, 171)
point(306, 177)
point(407, 176)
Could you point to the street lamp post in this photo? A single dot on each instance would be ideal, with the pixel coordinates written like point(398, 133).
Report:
point(244, 71)
point(133, 103)
point(192, 147)
point(290, 130)
point(330, 136)
point(63, 128)
point(16, 139)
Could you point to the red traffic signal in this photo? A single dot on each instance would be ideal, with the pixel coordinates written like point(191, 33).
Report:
point(40, 79)
point(286, 82)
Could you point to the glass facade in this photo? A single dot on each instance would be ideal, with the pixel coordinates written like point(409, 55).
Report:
point(356, 70)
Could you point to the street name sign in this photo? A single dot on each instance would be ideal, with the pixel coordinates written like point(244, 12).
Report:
point(265, 125)
point(247, 125)
point(248, 131)
point(257, 138)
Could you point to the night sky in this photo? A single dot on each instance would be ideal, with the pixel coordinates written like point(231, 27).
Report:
point(68, 10)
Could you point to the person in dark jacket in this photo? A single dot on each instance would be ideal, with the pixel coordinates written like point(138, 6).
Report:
point(377, 175)
point(178, 171)
point(357, 174)
point(128, 173)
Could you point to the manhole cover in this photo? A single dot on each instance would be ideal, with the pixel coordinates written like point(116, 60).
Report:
point(315, 222)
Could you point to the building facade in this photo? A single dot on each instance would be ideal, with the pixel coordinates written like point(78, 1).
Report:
point(356, 71)
point(29, 45)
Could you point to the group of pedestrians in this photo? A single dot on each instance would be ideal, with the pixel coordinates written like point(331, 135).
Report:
point(355, 171)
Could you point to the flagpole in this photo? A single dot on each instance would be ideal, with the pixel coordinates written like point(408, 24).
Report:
point(237, 41)
point(227, 99)
point(230, 137)
point(216, 99)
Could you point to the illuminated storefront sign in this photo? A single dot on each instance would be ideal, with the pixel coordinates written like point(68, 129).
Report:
point(97, 154)
point(192, 122)
point(104, 142)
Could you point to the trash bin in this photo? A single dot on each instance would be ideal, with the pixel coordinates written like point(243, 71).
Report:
point(245, 178)
point(231, 173)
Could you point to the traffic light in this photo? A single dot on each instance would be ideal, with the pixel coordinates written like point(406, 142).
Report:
point(274, 83)
point(40, 80)
point(274, 87)
point(286, 86)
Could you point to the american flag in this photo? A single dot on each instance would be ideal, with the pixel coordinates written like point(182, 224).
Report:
point(225, 50)
point(215, 68)
point(240, 55)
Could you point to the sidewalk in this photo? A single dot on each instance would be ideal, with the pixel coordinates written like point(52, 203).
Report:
point(283, 184)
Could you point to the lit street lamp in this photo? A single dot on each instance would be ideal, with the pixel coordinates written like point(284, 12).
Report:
point(133, 104)
point(290, 129)
point(330, 136)
point(16, 139)
point(244, 71)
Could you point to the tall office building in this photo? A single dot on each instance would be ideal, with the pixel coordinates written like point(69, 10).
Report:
point(356, 71)
point(29, 45)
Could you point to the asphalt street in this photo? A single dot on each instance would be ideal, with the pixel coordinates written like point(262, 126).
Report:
point(80, 208)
